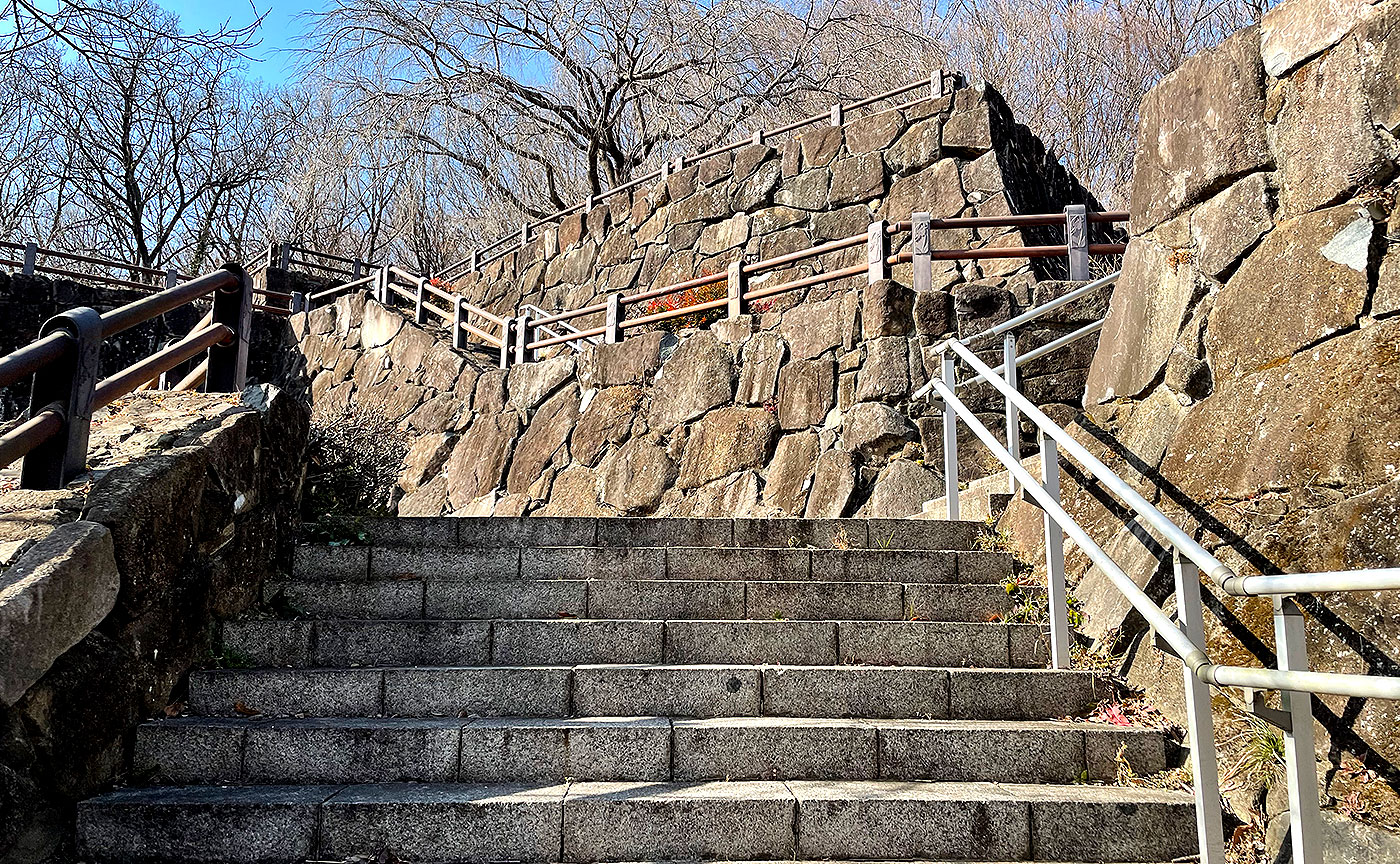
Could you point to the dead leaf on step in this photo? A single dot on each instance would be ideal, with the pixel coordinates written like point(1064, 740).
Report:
point(405, 577)
point(563, 614)
point(174, 709)
point(243, 709)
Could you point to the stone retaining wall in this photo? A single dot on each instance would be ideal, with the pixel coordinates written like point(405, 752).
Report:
point(111, 589)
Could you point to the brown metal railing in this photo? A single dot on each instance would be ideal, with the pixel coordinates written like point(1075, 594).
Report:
point(63, 364)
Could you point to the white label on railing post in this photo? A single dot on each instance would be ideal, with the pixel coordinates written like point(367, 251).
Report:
point(1056, 590)
point(921, 241)
point(1077, 241)
point(935, 84)
point(665, 170)
point(31, 258)
point(734, 280)
point(877, 249)
point(837, 114)
point(1013, 414)
point(524, 233)
point(950, 437)
point(1300, 755)
point(613, 319)
point(1200, 725)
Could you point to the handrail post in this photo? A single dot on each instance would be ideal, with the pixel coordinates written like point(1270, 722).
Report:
point(523, 335)
point(385, 296)
point(476, 261)
point(1300, 755)
point(284, 257)
point(420, 315)
point(735, 282)
point(459, 337)
point(507, 327)
point(524, 233)
point(31, 258)
point(950, 437)
point(358, 269)
point(299, 302)
point(1013, 414)
point(877, 249)
point(921, 239)
point(1056, 590)
point(172, 278)
point(613, 319)
point(228, 364)
point(66, 384)
point(758, 137)
point(838, 112)
point(1077, 241)
point(1200, 726)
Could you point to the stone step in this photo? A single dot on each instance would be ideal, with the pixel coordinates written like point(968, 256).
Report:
point(484, 532)
point(641, 599)
point(375, 564)
point(639, 821)
point(191, 750)
point(629, 690)
point(567, 641)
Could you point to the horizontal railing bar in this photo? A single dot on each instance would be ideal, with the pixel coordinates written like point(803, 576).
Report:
point(804, 254)
point(567, 315)
point(1318, 583)
point(1174, 536)
point(340, 258)
point(652, 293)
point(403, 292)
point(28, 435)
point(20, 364)
point(818, 279)
point(1034, 354)
point(439, 293)
point(1043, 309)
point(275, 295)
point(275, 310)
point(125, 317)
point(672, 313)
point(567, 337)
point(445, 315)
point(1322, 683)
point(348, 286)
point(88, 277)
point(195, 378)
point(890, 94)
point(476, 331)
point(113, 388)
point(325, 268)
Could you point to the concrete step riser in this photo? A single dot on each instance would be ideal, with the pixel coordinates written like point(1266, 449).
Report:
point(339, 564)
point(339, 644)
point(197, 752)
point(634, 691)
point(643, 599)
point(536, 531)
point(597, 822)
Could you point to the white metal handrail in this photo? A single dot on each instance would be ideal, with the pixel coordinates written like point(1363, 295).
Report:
point(1184, 637)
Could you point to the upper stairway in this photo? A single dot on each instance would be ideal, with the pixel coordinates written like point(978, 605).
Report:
point(542, 689)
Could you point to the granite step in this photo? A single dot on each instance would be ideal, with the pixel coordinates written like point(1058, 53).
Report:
point(589, 821)
point(200, 750)
point(570, 641)
point(360, 564)
point(675, 690)
point(640, 599)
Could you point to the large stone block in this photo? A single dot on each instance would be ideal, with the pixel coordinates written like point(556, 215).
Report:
point(1201, 124)
point(670, 691)
point(806, 392)
point(544, 437)
point(901, 489)
point(1296, 31)
point(875, 430)
point(1308, 279)
point(529, 383)
point(725, 441)
point(798, 643)
point(857, 178)
point(833, 483)
point(606, 419)
point(917, 148)
point(53, 596)
point(813, 327)
point(696, 378)
point(636, 475)
point(632, 361)
point(790, 472)
point(478, 462)
point(936, 190)
point(742, 748)
point(855, 691)
point(761, 357)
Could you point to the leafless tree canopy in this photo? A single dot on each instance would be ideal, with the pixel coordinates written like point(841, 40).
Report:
point(418, 128)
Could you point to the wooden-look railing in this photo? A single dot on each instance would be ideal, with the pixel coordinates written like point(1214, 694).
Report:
point(63, 363)
point(148, 278)
point(940, 83)
point(520, 336)
point(286, 256)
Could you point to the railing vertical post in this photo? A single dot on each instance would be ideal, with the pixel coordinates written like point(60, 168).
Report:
point(665, 170)
point(758, 137)
point(284, 257)
point(613, 319)
point(1056, 590)
point(299, 303)
point(838, 113)
point(1013, 414)
point(358, 269)
point(420, 315)
point(507, 354)
point(877, 250)
point(1077, 240)
point(67, 384)
point(172, 278)
point(228, 364)
point(1200, 726)
point(476, 260)
point(31, 258)
point(524, 233)
point(950, 436)
point(921, 240)
point(459, 337)
point(1300, 754)
point(523, 335)
point(385, 295)
point(735, 282)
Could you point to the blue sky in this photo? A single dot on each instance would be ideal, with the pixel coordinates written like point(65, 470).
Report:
point(273, 59)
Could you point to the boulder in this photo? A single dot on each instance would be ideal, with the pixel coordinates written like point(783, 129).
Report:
point(820, 145)
point(380, 325)
point(575, 493)
point(900, 490)
point(546, 435)
point(478, 462)
point(968, 131)
point(607, 419)
point(760, 360)
point(725, 441)
point(887, 309)
point(790, 472)
point(807, 191)
point(839, 224)
point(636, 475)
point(806, 392)
point(875, 430)
point(490, 395)
point(885, 374)
point(429, 499)
point(857, 178)
point(813, 327)
point(722, 236)
point(1200, 125)
point(982, 304)
point(696, 378)
point(758, 188)
point(874, 132)
point(1307, 279)
point(1299, 30)
point(747, 159)
point(918, 148)
point(632, 361)
point(735, 495)
point(528, 384)
point(936, 189)
point(933, 314)
point(425, 459)
point(833, 483)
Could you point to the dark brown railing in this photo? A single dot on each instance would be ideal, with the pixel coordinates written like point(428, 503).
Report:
point(63, 363)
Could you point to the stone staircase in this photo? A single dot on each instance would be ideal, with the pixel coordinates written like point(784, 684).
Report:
point(534, 689)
